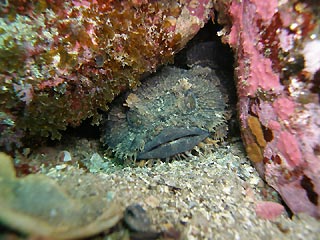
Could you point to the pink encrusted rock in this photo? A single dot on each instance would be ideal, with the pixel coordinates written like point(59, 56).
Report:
point(277, 50)
point(269, 210)
point(288, 145)
point(284, 108)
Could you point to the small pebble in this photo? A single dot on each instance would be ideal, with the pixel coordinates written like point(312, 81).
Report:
point(65, 156)
point(152, 201)
point(136, 218)
point(60, 167)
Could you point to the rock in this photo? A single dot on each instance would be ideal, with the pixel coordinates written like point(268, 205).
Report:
point(37, 206)
point(84, 53)
point(136, 218)
point(269, 210)
point(277, 47)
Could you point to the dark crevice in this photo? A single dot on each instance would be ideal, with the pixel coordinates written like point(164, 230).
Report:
point(307, 184)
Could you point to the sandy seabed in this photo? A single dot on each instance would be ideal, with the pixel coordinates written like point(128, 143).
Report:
point(210, 196)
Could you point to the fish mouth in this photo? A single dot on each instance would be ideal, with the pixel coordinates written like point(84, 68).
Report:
point(172, 141)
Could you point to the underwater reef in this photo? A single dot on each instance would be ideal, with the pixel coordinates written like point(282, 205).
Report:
point(62, 61)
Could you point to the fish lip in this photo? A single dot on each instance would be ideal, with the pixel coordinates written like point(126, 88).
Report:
point(171, 141)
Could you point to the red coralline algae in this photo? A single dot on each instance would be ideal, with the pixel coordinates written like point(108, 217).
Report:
point(278, 64)
point(284, 108)
point(297, 200)
point(273, 125)
point(269, 210)
point(288, 146)
point(266, 9)
point(259, 73)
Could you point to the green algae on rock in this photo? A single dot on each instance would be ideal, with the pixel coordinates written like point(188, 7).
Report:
point(63, 61)
point(38, 206)
point(170, 113)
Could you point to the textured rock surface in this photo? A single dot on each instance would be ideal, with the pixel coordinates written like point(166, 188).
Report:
point(277, 47)
point(62, 61)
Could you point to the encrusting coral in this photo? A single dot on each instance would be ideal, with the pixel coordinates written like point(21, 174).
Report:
point(277, 49)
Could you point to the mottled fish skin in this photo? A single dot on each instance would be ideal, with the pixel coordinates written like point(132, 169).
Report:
point(173, 98)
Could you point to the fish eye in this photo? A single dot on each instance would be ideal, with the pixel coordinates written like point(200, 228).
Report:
point(133, 119)
point(190, 101)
